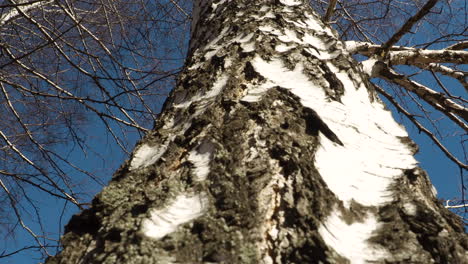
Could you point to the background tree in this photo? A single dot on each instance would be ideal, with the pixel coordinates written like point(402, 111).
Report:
point(76, 76)
point(101, 64)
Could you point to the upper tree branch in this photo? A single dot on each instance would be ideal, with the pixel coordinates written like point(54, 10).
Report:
point(459, 75)
point(420, 127)
point(437, 100)
point(20, 7)
point(399, 55)
point(330, 10)
point(459, 46)
point(408, 25)
point(412, 57)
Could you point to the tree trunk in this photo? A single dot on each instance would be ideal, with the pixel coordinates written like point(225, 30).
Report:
point(273, 148)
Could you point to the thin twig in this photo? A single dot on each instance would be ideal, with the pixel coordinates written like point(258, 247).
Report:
point(420, 127)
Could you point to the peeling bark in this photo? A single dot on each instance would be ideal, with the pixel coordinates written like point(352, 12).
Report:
point(245, 150)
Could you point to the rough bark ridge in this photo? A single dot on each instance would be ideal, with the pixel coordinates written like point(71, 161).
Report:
point(259, 157)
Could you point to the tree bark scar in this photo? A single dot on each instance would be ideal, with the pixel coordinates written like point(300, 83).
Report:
point(314, 121)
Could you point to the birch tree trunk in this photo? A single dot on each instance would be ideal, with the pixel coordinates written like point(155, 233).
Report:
point(273, 148)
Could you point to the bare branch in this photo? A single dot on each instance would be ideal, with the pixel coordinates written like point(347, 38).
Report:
point(330, 10)
point(20, 220)
point(180, 8)
point(461, 79)
point(458, 46)
point(20, 8)
point(459, 75)
point(357, 26)
point(399, 55)
point(408, 25)
point(415, 56)
point(9, 254)
point(420, 127)
point(437, 100)
point(456, 206)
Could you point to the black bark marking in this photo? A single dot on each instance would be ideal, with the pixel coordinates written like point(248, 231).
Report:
point(85, 222)
point(228, 105)
point(335, 83)
point(139, 209)
point(113, 235)
point(218, 62)
point(314, 123)
point(251, 73)
point(412, 176)
point(308, 54)
point(284, 158)
point(313, 251)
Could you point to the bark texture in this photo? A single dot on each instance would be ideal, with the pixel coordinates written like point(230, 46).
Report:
point(230, 173)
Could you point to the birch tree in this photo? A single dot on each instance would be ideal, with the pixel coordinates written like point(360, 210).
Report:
point(274, 148)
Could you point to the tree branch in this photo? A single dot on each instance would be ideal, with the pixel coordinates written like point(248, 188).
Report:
point(437, 100)
point(330, 10)
point(415, 56)
point(420, 127)
point(458, 46)
point(18, 8)
point(434, 67)
point(20, 220)
point(408, 25)
point(399, 55)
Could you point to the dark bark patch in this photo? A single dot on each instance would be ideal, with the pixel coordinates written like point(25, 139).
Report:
point(243, 55)
point(308, 55)
point(251, 73)
point(196, 127)
point(288, 165)
point(427, 230)
point(85, 222)
point(121, 172)
point(312, 251)
point(314, 124)
point(411, 175)
point(218, 62)
point(284, 125)
point(228, 105)
point(410, 143)
point(335, 84)
point(258, 119)
point(139, 209)
point(113, 235)
point(198, 228)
